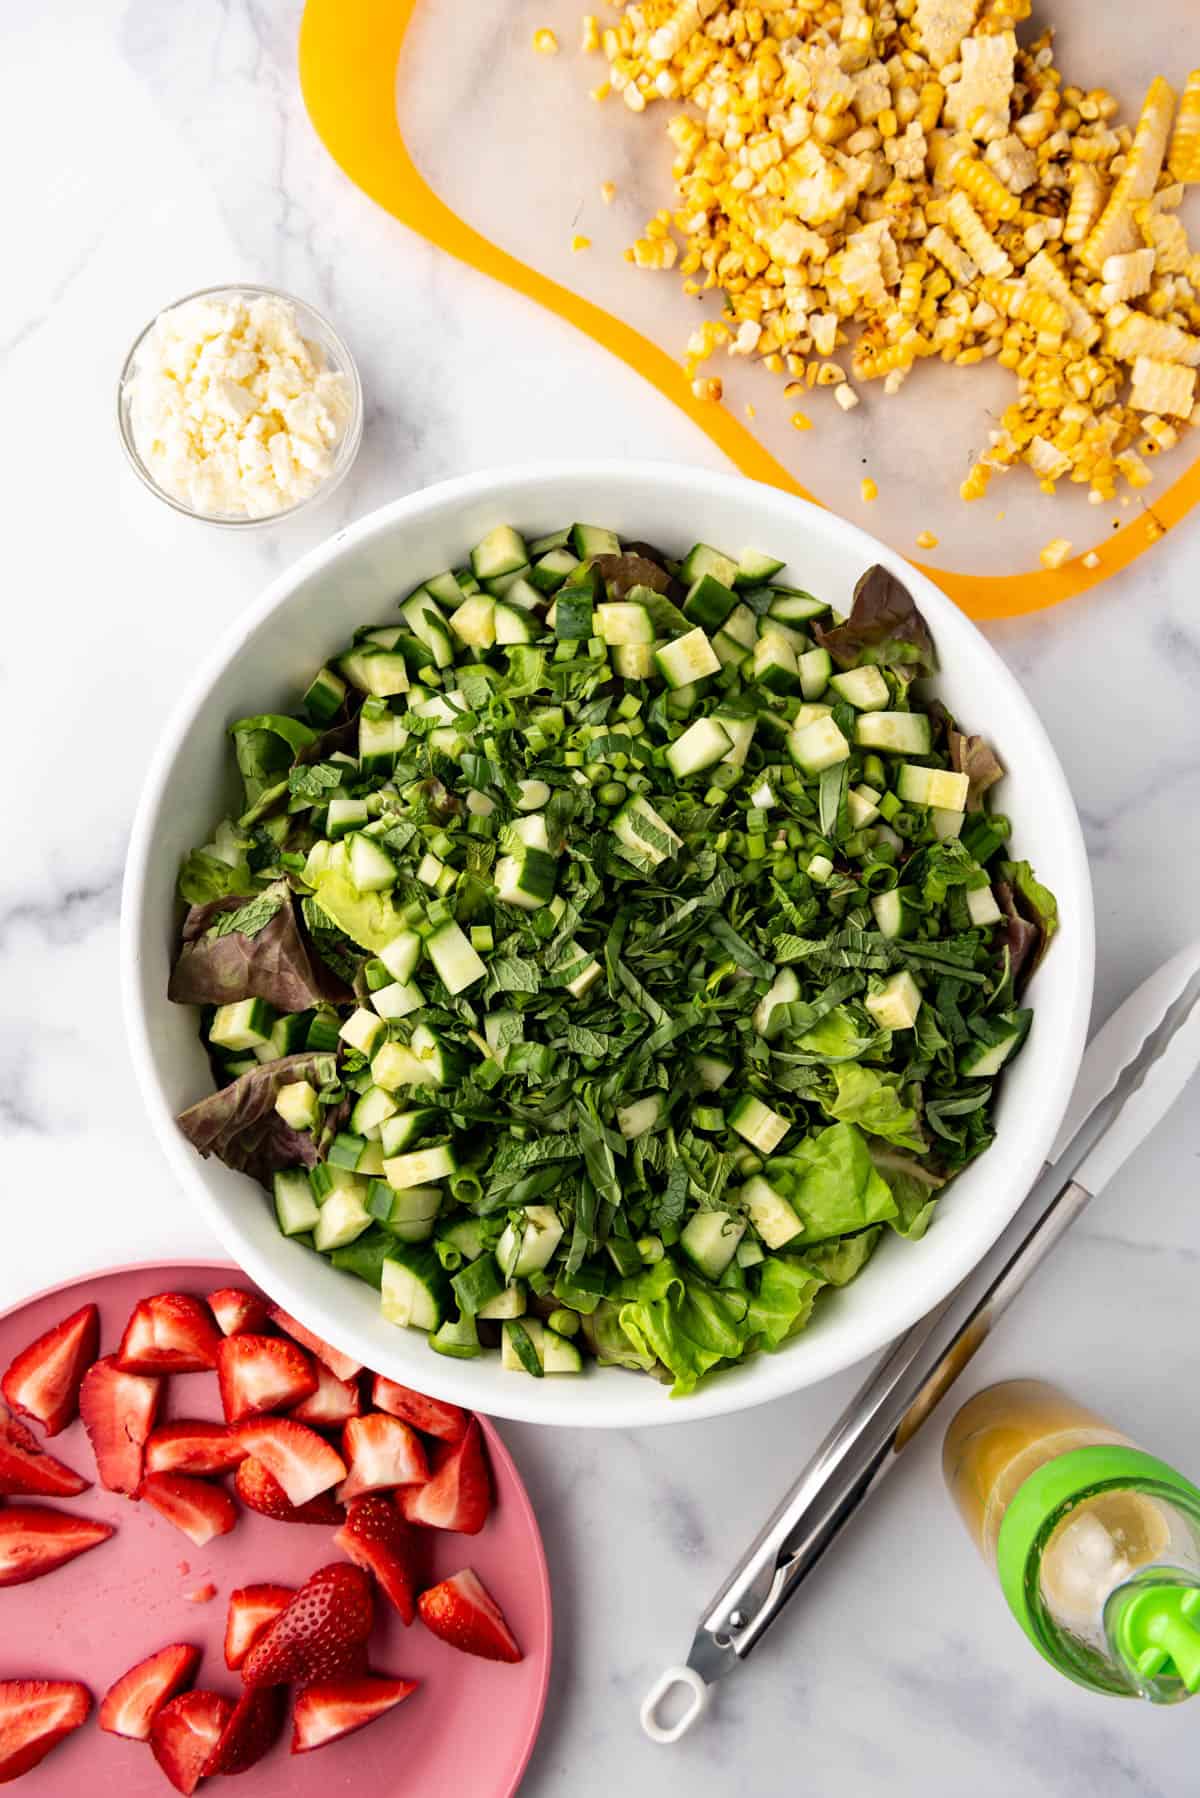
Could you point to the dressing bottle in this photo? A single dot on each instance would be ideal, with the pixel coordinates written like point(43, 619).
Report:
point(1096, 1544)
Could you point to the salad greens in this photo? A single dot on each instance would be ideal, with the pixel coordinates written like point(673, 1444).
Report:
point(612, 953)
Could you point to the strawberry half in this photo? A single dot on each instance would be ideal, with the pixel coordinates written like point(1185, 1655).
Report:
point(303, 1462)
point(27, 1471)
point(184, 1734)
point(344, 1366)
point(459, 1494)
point(260, 1491)
point(170, 1332)
point(377, 1539)
point(35, 1715)
point(321, 1635)
point(333, 1708)
point(261, 1373)
point(118, 1411)
point(251, 1731)
point(463, 1613)
point(199, 1509)
point(35, 1540)
point(251, 1608)
point(333, 1403)
point(381, 1453)
point(132, 1703)
point(193, 1448)
point(429, 1415)
point(237, 1310)
point(43, 1381)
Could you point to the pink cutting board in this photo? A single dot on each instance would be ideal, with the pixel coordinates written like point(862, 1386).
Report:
point(469, 1728)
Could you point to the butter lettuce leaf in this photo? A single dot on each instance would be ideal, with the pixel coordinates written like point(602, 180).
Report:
point(832, 1185)
point(873, 1102)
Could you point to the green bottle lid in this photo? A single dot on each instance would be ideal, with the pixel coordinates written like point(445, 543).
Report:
point(1157, 1630)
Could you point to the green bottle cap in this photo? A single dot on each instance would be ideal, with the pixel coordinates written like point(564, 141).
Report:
point(1157, 1633)
point(1156, 1619)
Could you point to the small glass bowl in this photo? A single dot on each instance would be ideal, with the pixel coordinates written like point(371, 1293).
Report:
point(338, 360)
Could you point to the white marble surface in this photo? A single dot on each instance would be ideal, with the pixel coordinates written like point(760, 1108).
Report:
point(153, 148)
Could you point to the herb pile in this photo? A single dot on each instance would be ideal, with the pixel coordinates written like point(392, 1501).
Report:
point(616, 951)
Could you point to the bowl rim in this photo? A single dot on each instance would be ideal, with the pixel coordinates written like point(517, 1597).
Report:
point(769, 1376)
point(348, 446)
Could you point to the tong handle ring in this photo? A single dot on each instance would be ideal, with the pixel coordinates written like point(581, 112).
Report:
point(673, 1678)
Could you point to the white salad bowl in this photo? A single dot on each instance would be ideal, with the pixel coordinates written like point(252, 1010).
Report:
point(267, 659)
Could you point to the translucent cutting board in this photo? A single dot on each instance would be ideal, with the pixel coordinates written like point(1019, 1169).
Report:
point(441, 110)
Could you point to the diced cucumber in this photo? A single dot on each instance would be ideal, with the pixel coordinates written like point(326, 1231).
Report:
point(362, 1030)
point(296, 1210)
point(419, 1166)
point(371, 868)
point(526, 1247)
point(989, 1058)
point(702, 559)
point(640, 1117)
point(466, 1235)
point(458, 1337)
point(982, 908)
point(749, 1253)
point(453, 957)
point(477, 1284)
point(898, 733)
point(325, 1179)
point(513, 625)
point(864, 688)
point(501, 585)
point(394, 1066)
point(794, 606)
point(757, 1124)
point(756, 570)
point(446, 588)
point(783, 989)
point(246, 1024)
point(403, 1128)
point(574, 616)
point(945, 824)
point(401, 955)
point(770, 1212)
point(688, 658)
point(862, 807)
point(584, 979)
point(409, 1212)
point(773, 664)
point(701, 744)
point(641, 829)
point(796, 641)
point(380, 741)
point(415, 1289)
point(501, 551)
point(594, 540)
point(554, 540)
point(551, 570)
point(932, 786)
point(896, 1004)
point(325, 696)
point(709, 1240)
point(619, 621)
point(370, 1111)
point(742, 626)
point(298, 1105)
point(342, 1218)
point(633, 661)
point(559, 1353)
point(521, 1346)
point(814, 668)
point(740, 732)
point(525, 879)
point(398, 1000)
point(817, 746)
point(474, 621)
point(509, 1303)
point(895, 913)
point(345, 815)
point(427, 622)
point(709, 603)
point(713, 1071)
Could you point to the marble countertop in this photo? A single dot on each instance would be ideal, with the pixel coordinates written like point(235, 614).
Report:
point(166, 148)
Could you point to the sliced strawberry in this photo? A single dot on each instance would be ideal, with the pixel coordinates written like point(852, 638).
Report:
point(170, 1332)
point(184, 1734)
point(303, 1462)
point(251, 1608)
point(118, 1411)
point(35, 1715)
point(131, 1705)
point(344, 1366)
point(429, 1415)
point(321, 1635)
point(463, 1613)
point(261, 1491)
point(237, 1310)
point(333, 1403)
point(333, 1708)
point(377, 1538)
point(459, 1494)
point(27, 1471)
point(261, 1373)
point(196, 1507)
point(193, 1448)
point(251, 1731)
point(35, 1540)
point(43, 1381)
point(382, 1453)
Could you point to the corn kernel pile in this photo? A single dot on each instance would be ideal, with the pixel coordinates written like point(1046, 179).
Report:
point(906, 168)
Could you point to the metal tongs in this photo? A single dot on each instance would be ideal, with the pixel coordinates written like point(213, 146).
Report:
point(1134, 1069)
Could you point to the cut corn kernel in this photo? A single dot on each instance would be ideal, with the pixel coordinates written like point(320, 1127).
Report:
point(800, 421)
point(608, 192)
point(868, 489)
point(926, 540)
point(1055, 553)
point(580, 243)
point(545, 42)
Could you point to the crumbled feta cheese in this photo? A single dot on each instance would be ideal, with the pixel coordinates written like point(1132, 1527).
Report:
point(232, 410)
